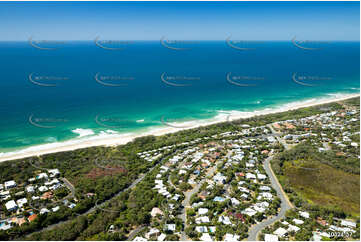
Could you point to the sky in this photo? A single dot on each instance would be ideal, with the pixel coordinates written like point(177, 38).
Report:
point(179, 20)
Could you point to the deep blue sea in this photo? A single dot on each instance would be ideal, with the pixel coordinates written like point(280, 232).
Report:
point(52, 95)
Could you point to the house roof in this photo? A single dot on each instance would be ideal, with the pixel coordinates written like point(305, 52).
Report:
point(11, 205)
point(31, 218)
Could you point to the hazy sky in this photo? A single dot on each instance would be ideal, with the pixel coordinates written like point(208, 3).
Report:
point(179, 20)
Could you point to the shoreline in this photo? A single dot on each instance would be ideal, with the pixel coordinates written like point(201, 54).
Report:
point(106, 139)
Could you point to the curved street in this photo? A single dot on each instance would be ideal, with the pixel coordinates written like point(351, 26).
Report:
point(285, 203)
point(253, 232)
point(92, 209)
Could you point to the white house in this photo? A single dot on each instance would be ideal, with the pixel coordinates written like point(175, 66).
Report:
point(206, 237)
point(42, 176)
point(348, 223)
point(55, 209)
point(280, 232)
point(54, 172)
point(219, 178)
point(304, 214)
point(225, 220)
point(242, 189)
point(44, 210)
point(21, 202)
point(161, 237)
point(249, 211)
point(203, 219)
point(270, 238)
point(264, 188)
point(5, 195)
point(30, 189)
point(297, 221)
point(293, 228)
point(231, 237)
point(250, 176)
point(234, 201)
point(202, 211)
point(141, 239)
point(170, 227)
point(265, 195)
point(261, 176)
point(11, 205)
point(10, 184)
point(152, 231)
point(43, 189)
point(201, 229)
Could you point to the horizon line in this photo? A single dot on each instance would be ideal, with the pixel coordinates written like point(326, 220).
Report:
point(92, 40)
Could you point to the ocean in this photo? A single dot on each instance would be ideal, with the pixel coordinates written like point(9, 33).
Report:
point(54, 92)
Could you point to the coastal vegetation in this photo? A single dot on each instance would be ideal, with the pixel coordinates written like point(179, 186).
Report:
point(311, 177)
point(99, 173)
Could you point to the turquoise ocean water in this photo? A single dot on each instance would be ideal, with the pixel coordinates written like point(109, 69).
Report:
point(56, 94)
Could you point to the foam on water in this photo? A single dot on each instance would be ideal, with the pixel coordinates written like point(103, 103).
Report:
point(83, 132)
point(87, 136)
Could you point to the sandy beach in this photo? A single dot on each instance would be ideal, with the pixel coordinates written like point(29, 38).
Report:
point(112, 139)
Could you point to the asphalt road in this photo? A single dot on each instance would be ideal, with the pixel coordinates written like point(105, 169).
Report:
point(186, 201)
point(135, 232)
point(285, 203)
point(139, 179)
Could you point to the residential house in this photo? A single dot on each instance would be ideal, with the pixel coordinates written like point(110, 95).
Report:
point(10, 184)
